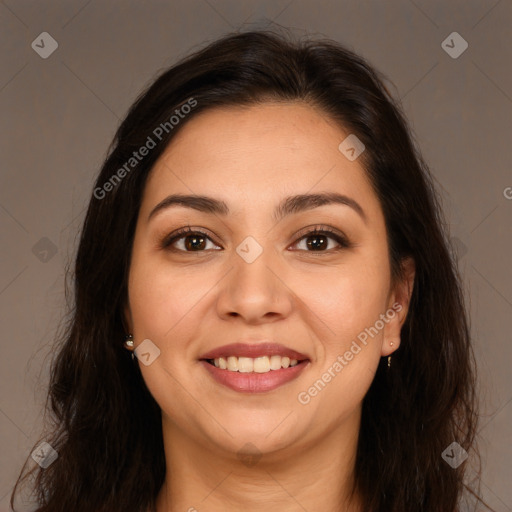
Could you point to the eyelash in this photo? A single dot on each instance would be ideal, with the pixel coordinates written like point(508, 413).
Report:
point(317, 230)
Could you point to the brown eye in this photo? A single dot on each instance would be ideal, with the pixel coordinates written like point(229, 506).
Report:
point(194, 242)
point(317, 240)
point(189, 241)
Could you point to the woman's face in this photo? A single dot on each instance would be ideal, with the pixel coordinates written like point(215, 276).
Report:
point(254, 274)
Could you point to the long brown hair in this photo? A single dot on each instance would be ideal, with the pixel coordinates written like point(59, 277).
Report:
point(101, 408)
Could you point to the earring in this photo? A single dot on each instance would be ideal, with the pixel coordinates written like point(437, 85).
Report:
point(389, 357)
point(128, 343)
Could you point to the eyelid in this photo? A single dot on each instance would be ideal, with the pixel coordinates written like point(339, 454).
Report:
point(181, 233)
point(329, 231)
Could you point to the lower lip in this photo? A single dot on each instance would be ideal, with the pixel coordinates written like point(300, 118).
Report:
point(255, 382)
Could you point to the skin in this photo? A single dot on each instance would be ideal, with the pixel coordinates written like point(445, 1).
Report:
point(316, 302)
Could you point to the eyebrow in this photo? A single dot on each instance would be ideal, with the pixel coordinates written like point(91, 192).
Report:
point(288, 206)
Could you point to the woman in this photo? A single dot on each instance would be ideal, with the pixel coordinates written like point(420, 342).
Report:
point(266, 240)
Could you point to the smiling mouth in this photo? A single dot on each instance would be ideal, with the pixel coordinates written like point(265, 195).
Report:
point(263, 364)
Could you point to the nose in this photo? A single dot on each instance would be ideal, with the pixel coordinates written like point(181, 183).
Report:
point(254, 289)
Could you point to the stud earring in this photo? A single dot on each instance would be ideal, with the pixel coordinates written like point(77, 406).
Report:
point(128, 343)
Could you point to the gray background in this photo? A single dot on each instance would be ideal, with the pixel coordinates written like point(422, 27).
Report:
point(59, 115)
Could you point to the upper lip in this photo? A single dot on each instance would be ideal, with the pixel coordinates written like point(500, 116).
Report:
point(265, 348)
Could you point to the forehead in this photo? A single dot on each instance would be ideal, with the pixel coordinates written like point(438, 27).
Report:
point(252, 156)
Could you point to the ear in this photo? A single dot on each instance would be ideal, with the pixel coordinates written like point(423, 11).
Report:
point(398, 306)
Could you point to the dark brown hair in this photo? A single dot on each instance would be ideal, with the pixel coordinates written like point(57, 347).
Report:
point(101, 409)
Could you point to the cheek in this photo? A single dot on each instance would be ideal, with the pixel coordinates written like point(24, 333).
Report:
point(348, 305)
point(168, 301)
point(346, 300)
point(160, 295)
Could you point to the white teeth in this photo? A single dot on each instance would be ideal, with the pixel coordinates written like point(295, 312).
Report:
point(245, 364)
point(275, 362)
point(261, 364)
